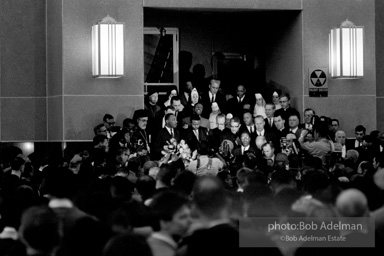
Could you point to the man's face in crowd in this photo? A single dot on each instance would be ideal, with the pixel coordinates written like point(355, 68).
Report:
point(335, 126)
point(307, 116)
point(176, 104)
point(220, 122)
point(235, 126)
point(198, 109)
point(340, 137)
point(259, 122)
point(279, 122)
point(214, 87)
point(359, 135)
point(284, 102)
point(245, 139)
point(142, 122)
point(269, 110)
point(293, 122)
point(268, 151)
point(172, 122)
point(195, 124)
point(109, 123)
point(240, 91)
point(247, 118)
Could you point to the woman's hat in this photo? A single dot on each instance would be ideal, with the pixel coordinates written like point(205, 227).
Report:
point(152, 90)
point(258, 96)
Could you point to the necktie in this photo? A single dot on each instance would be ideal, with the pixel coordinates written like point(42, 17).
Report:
point(270, 122)
point(172, 133)
point(213, 98)
point(196, 133)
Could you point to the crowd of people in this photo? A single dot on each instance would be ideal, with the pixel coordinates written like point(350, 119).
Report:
point(179, 176)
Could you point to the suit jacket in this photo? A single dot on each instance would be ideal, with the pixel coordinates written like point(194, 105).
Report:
point(236, 107)
point(253, 135)
point(162, 138)
point(297, 133)
point(268, 127)
point(190, 137)
point(237, 151)
point(203, 122)
point(214, 138)
point(285, 113)
point(206, 101)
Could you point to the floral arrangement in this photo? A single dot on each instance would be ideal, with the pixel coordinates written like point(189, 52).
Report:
point(181, 149)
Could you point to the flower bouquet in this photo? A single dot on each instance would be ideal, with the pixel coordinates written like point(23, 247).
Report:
point(180, 150)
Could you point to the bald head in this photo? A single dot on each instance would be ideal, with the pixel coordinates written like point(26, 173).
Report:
point(340, 137)
point(352, 203)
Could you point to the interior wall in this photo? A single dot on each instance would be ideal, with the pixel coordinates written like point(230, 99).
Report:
point(284, 57)
point(22, 71)
point(379, 35)
point(351, 101)
point(78, 101)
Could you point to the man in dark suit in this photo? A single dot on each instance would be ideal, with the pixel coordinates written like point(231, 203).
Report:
point(245, 145)
point(269, 136)
point(215, 135)
point(358, 141)
point(286, 110)
point(165, 135)
point(293, 123)
point(195, 134)
point(269, 112)
point(249, 127)
point(213, 95)
point(237, 103)
point(279, 122)
point(233, 134)
point(308, 114)
point(179, 111)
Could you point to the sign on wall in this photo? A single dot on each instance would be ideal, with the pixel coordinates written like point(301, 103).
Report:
point(318, 82)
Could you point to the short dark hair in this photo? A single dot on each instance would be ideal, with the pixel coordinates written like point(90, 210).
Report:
point(168, 115)
point(310, 109)
point(99, 139)
point(285, 95)
point(334, 119)
point(360, 128)
point(107, 116)
point(97, 128)
point(174, 98)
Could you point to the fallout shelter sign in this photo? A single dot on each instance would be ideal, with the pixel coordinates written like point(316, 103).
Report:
point(318, 82)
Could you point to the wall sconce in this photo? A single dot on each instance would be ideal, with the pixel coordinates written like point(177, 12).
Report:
point(346, 45)
point(108, 49)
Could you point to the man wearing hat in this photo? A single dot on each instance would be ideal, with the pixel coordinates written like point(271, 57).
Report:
point(155, 112)
point(141, 139)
